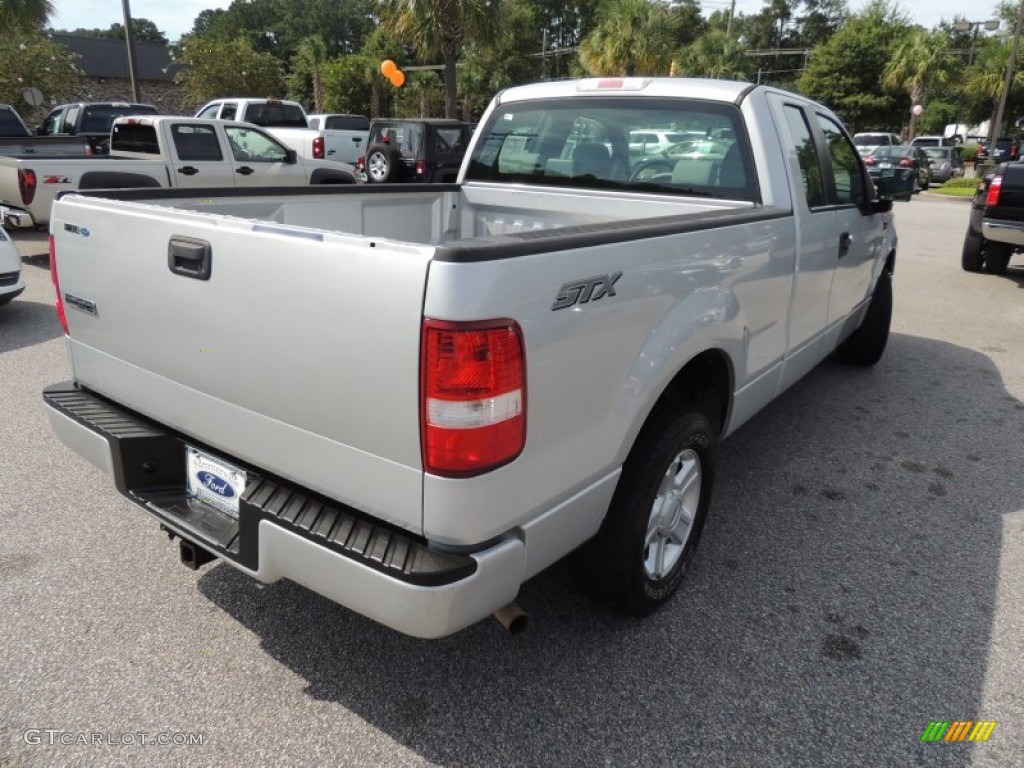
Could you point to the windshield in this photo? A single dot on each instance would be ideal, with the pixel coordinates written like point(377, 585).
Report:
point(870, 139)
point(591, 143)
point(939, 154)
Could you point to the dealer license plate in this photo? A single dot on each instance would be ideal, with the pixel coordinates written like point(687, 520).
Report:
point(214, 481)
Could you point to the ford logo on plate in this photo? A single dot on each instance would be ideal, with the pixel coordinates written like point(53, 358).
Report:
point(218, 485)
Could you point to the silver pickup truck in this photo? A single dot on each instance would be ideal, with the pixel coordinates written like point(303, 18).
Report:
point(412, 399)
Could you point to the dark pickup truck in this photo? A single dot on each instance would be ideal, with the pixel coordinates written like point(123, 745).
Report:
point(91, 120)
point(17, 139)
point(996, 228)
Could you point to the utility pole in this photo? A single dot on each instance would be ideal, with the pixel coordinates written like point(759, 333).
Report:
point(732, 12)
point(130, 43)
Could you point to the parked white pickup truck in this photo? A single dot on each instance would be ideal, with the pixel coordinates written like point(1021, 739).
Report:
point(412, 400)
point(344, 135)
point(284, 119)
point(161, 152)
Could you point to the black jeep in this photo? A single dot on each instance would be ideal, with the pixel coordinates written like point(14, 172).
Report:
point(427, 150)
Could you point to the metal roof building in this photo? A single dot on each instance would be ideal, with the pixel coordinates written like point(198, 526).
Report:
point(108, 57)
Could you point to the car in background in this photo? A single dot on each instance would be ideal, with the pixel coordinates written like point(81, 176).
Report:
point(11, 124)
point(426, 150)
point(945, 163)
point(344, 135)
point(866, 142)
point(1007, 148)
point(907, 166)
point(653, 142)
point(931, 141)
point(11, 282)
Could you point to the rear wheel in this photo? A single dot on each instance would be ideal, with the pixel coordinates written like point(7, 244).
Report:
point(866, 345)
point(972, 257)
point(382, 164)
point(997, 257)
point(639, 557)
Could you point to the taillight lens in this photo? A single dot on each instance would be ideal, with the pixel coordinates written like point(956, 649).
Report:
point(906, 162)
point(56, 286)
point(472, 396)
point(869, 161)
point(318, 148)
point(994, 188)
point(421, 167)
point(27, 185)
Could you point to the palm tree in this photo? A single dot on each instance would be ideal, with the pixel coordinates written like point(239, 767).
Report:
point(25, 15)
point(714, 54)
point(440, 28)
point(920, 64)
point(631, 37)
point(310, 59)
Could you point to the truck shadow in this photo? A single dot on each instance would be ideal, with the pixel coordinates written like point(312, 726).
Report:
point(27, 323)
point(843, 597)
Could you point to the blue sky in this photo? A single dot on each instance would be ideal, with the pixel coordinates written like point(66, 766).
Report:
point(175, 18)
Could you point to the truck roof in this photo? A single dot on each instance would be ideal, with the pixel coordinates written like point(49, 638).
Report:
point(712, 90)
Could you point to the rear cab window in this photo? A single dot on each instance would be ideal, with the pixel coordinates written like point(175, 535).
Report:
point(134, 137)
point(594, 144)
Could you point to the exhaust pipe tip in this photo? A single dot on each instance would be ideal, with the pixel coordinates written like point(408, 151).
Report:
point(512, 618)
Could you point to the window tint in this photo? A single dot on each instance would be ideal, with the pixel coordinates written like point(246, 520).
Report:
point(277, 115)
point(99, 119)
point(810, 168)
point(51, 125)
point(196, 142)
point(607, 143)
point(134, 137)
point(347, 123)
point(11, 125)
point(248, 145)
point(848, 186)
point(229, 111)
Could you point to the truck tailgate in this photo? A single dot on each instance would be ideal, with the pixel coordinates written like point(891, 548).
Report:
point(299, 352)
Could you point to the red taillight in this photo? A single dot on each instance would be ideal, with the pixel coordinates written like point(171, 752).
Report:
point(421, 167)
point(318, 148)
point(1013, 153)
point(472, 396)
point(361, 163)
point(56, 286)
point(869, 161)
point(906, 162)
point(27, 185)
point(994, 188)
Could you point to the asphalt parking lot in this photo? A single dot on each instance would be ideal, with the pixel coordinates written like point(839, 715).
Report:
point(861, 574)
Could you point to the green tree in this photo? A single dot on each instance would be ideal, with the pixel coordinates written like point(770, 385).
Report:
point(561, 26)
point(212, 69)
point(715, 54)
point(31, 60)
point(919, 67)
point(846, 71)
point(306, 76)
point(440, 29)
point(143, 30)
point(632, 37)
point(24, 15)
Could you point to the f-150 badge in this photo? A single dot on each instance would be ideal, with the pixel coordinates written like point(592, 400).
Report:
point(583, 291)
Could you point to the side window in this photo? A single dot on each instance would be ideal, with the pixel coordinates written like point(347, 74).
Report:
point(849, 183)
point(210, 111)
point(52, 123)
point(70, 118)
point(810, 168)
point(248, 145)
point(228, 112)
point(196, 142)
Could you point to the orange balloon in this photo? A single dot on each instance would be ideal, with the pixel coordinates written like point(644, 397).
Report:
point(398, 78)
point(388, 67)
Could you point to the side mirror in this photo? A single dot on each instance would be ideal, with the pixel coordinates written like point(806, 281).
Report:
point(291, 156)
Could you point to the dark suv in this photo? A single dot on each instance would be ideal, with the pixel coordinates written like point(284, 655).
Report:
point(428, 150)
point(1007, 148)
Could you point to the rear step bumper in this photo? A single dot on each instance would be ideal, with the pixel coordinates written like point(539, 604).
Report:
point(284, 531)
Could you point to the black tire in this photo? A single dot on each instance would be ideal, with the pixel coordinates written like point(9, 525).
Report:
point(972, 257)
point(866, 344)
point(615, 567)
point(997, 257)
point(383, 164)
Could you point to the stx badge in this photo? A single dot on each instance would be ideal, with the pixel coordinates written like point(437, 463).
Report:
point(582, 291)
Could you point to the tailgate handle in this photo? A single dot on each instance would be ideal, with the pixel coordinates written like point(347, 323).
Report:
point(189, 257)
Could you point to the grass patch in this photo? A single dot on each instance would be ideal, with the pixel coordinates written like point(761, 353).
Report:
point(957, 188)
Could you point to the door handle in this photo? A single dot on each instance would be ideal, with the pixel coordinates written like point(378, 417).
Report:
point(245, 170)
point(188, 170)
point(845, 241)
point(189, 257)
